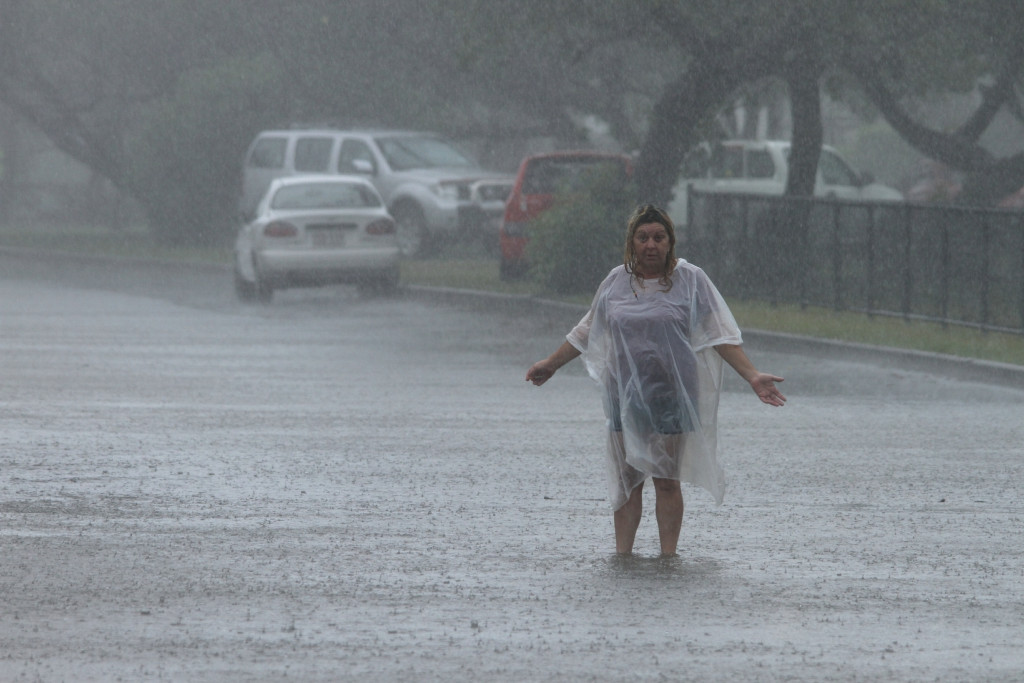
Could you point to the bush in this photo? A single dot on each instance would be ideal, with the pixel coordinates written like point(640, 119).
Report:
point(574, 244)
point(185, 162)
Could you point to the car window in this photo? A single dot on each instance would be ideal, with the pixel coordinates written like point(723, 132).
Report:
point(312, 155)
point(696, 162)
point(727, 162)
point(835, 171)
point(268, 153)
point(549, 176)
point(351, 152)
point(406, 152)
point(324, 196)
point(760, 164)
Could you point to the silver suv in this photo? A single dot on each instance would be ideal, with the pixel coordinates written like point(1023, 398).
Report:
point(431, 187)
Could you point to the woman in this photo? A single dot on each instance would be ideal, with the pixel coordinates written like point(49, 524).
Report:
point(655, 338)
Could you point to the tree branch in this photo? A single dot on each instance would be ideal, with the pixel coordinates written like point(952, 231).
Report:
point(994, 97)
point(62, 124)
point(951, 149)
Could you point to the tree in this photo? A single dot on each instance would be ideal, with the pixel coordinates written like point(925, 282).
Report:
point(887, 52)
point(86, 74)
point(183, 160)
point(108, 80)
point(966, 47)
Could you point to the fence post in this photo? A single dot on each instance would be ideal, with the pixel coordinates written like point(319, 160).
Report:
point(837, 261)
point(908, 275)
point(986, 242)
point(1021, 273)
point(804, 241)
point(745, 243)
point(944, 282)
point(871, 268)
point(716, 246)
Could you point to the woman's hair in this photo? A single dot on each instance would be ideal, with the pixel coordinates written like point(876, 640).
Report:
point(643, 214)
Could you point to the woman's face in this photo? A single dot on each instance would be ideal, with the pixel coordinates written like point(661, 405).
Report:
point(651, 244)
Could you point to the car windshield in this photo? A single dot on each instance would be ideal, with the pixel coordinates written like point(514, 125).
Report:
point(324, 196)
point(727, 162)
point(834, 170)
point(407, 152)
point(550, 176)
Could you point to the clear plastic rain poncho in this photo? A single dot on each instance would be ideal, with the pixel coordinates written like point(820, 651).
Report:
point(651, 351)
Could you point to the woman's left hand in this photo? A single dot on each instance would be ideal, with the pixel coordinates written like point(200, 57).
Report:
point(763, 385)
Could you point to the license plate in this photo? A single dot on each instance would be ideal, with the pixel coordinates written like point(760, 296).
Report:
point(328, 238)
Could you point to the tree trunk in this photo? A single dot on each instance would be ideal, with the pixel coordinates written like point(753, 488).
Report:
point(675, 125)
point(10, 167)
point(805, 102)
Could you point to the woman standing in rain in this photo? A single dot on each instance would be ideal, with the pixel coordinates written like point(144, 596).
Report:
point(654, 339)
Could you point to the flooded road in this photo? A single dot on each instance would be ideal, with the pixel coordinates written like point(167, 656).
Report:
point(338, 488)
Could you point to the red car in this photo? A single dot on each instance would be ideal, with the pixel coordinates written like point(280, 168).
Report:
point(541, 177)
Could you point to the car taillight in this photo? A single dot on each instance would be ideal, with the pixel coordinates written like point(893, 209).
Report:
point(280, 229)
point(384, 226)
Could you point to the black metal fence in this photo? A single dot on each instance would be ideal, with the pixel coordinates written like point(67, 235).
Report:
point(957, 266)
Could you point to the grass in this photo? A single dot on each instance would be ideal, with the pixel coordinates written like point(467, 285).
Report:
point(882, 331)
point(468, 267)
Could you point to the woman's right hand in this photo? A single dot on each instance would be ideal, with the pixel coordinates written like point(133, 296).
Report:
point(540, 372)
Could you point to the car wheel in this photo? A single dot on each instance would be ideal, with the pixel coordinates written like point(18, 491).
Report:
point(245, 291)
point(413, 238)
point(264, 292)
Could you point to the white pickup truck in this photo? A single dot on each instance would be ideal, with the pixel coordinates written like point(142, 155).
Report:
point(761, 167)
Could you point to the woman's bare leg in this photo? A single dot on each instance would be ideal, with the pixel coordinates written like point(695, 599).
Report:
point(627, 519)
point(668, 510)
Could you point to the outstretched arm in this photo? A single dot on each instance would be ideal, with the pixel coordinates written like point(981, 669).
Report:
point(542, 370)
point(762, 383)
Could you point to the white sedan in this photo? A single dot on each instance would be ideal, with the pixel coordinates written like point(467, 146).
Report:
point(311, 231)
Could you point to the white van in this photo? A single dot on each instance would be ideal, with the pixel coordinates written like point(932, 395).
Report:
point(761, 167)
point(431, 187)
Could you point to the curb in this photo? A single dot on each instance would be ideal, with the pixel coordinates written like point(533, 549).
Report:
point(954, 367)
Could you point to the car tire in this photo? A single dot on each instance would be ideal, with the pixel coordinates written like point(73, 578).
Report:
point(245, 291)
point(249, 292)
point(411, 226)
point(264, 292)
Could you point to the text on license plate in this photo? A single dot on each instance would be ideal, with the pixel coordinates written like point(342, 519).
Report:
point(328, 238)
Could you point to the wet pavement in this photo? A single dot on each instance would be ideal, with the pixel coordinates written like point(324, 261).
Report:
point(338, 488)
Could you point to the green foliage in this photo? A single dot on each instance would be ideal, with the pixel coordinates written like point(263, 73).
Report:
point(574, 244)
point(185, 162)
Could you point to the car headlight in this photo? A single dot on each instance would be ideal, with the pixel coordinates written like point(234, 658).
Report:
point(448, 191)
